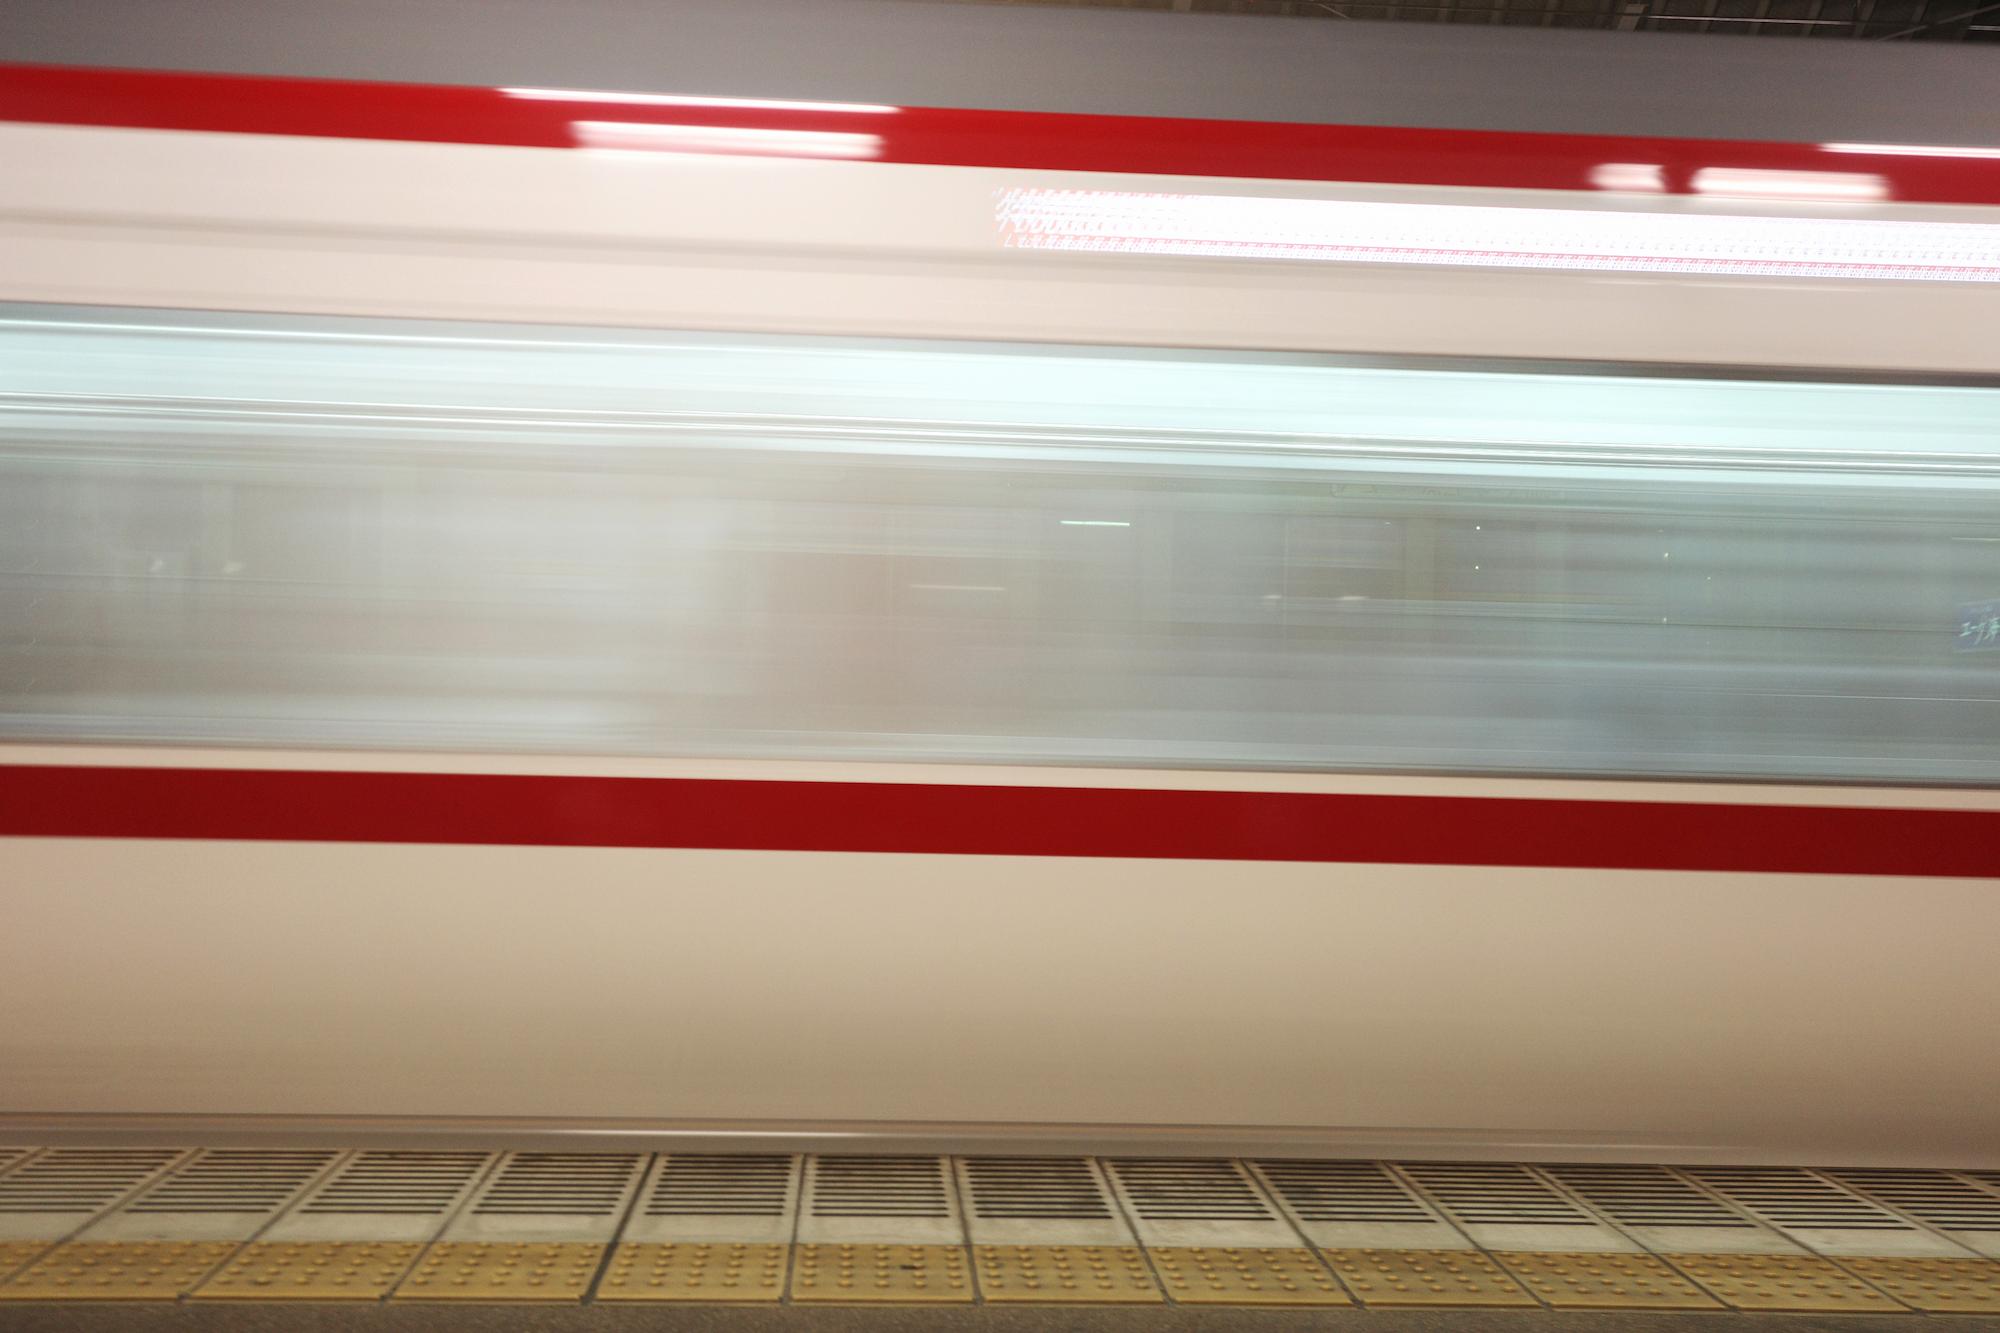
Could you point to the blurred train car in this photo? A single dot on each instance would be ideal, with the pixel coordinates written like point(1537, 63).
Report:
point(751, 603)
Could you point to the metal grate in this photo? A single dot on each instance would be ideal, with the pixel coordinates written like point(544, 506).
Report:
point(721, 1184)
point(1170, 1189)
point(1647, 1196)
point(233, 1180)
point(558, 1184)
point(1793, 1197)
point(1035, 1187)
point(1932, 1197)
point(880, 1187)
point(1342, 1192)
point(1494, 1192)
point(78, 1180)
point(421, 1184)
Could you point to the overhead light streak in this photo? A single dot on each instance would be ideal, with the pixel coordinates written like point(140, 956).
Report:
point(718, 103)
point(1909, 150)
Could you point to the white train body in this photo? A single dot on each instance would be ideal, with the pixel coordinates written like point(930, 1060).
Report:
point(850, 581)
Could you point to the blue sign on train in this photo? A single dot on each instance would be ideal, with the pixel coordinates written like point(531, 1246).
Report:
point(1978, 626)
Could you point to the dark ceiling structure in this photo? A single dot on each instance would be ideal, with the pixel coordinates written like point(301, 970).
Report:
point(1868, 20)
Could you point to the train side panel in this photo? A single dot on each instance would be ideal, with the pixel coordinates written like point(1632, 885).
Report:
point(1528, 1012)
point(1408, 1008)
point(677, 240)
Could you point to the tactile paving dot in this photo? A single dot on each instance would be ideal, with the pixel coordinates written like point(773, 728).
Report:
point(325, 1271)
point(1426, 1277)
point(1943, 1286)
point(1214, 1275)
point(1782, 1282)
point(16, 1253)
point(875, 1274)
point(1605, 1281)
point(1064, 1274)
point(694, 1271)
point(116, 1271)
point(502, 1271)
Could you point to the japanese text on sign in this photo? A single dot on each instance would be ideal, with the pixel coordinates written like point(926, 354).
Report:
point(1978, 626)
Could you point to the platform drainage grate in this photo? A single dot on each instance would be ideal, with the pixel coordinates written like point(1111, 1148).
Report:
point(1495, 1193)
point(1935, 1198)
point(880, 1187)
point(1168, 1189)
point(721, 1184)
point(1647, 1196)
point(233, 1180)
point(1794, 1197)
point(79, 1180)
point(1035, 1187)
point(414, 1184)
point(1342, 1192)
point(559, 1185)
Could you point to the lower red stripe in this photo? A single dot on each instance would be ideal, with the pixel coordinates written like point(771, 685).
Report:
point(89, 802)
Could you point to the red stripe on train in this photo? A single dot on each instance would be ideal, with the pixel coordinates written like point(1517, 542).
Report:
point(510, 810)
point(327, 108)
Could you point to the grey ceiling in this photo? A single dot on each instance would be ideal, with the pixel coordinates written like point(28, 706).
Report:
point(1883, 20)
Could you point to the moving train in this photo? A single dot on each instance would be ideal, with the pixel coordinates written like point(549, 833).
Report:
point(776, 600)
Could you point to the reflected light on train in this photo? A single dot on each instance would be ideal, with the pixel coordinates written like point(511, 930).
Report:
point(724, 140)
point(1474, 236)
point(1630, 177)
point(1754, 183)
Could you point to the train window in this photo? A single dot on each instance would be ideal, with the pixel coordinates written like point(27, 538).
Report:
point(305, 531)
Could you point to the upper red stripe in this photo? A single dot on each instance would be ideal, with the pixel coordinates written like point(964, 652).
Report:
point(943, 136)
point(315, 806)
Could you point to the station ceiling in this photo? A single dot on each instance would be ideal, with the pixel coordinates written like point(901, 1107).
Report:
point(1866, 20)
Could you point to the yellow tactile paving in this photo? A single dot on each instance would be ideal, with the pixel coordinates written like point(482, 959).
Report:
point(1941, 1286)
point(502, 1271)
point(694, 1271)
point(310, 1271)
point(1426, 1277)
point(1584, 1281)
point(1782, 1282)
point(16, 1253)
point(1204, 1275)
point(1064, 1275)
point(882, 1274)
point(116, 1271)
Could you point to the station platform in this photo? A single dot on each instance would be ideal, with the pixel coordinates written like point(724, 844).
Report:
point(219, 1238)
